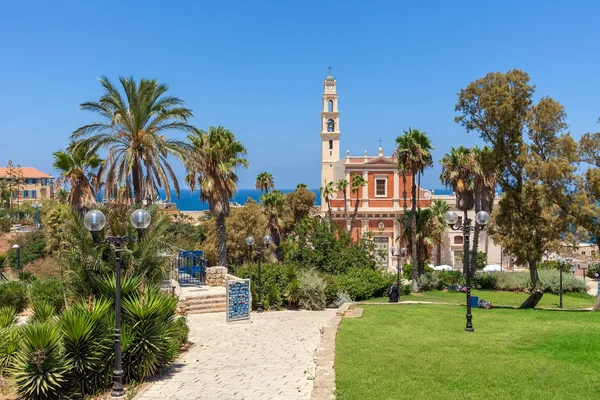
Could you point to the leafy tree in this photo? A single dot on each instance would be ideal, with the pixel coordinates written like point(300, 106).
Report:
point(327, 191)
point(302, 185)
point(484, 192)
point(357, 182)
point(413, 155)
point(212, 163)
point(274, 208)
point(429, 233)
point(523, 137)
point(264, 182)
point(439, 208)
point(342, 185)
point(79, 168)
point(300, 202)
point(132, 129)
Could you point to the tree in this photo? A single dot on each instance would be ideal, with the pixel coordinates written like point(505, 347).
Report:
point(300, 202)
point(79, 166)
point(358, 181)
point(342, 185)
point(327, 191)
point(132, 129)
point(413, 155)
point(274, 208)
point(522, 136)
point(429, 233)
point(439, 208)
point(212, 162)
point(302, 185)
point(264, 182)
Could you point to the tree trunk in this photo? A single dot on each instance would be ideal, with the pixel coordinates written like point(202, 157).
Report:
point(345, 210)
point(413, 233)
point(473, 263)
point(537, 290)
point(420, 254)
point(137, 183)
point(487, 247)
point(353, 221)
point(439, 254)
point(329, 213)
point(221, 240)
point(404, 190)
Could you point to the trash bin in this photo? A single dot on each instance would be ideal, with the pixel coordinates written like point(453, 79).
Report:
point(475, 301)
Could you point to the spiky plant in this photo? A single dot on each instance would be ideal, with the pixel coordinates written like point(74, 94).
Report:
point(105, 287)
point(39, 369)
point(43, 312)
point(9, 346)
point(8, 317)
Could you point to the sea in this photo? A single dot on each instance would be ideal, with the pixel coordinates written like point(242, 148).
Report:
point(190, 201)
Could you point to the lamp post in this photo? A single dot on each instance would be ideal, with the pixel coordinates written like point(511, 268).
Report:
point(18, 249)
point(94, 221)
point(399, 254)
point(561, 264)
point(37, 205)
point(250, 242)
point(583, 269)
point(481, 220)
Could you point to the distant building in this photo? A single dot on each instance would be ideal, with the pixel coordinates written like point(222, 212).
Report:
point(33, 184)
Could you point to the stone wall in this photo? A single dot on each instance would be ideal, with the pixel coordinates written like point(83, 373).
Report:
point(216, 276)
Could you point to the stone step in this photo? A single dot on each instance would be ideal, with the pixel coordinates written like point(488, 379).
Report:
point(195, 301)
point(205, 306)
point(206, 296)
point(206, 309)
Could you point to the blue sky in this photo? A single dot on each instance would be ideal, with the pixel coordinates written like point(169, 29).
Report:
point(257, 68)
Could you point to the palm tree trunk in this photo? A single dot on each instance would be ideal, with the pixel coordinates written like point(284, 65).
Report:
point(413, 233)
point(439, 254)
point(353, 221)
point(221, 240)
point(329, 213)
point(404, 191)
point(421, 260)
point(473, 263)
point(345, 211)
point(137, 182)
point(537, 290)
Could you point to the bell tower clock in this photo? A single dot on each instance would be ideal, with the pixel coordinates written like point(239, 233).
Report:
point(330, 129)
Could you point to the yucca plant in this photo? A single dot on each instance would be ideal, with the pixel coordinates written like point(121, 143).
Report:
point(8, 317)
point(39, 368)
point(43, 312)
point(149, 342)
point(105, 287)
point(87, 340)
point(9, 346)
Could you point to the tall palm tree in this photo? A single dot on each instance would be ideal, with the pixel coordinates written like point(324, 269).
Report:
point(212, 162)
point(458, 172)
point(132, 128)
point(302, 185)
point(78, 167)
point(428, 233)
point(264, 182)
point(342, 185)
point(439, 208)
point(484, 190)
point(357, 181)
point(327, 191)
point(274, 208)
point(413, 155)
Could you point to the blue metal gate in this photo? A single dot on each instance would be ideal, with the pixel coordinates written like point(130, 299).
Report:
point(191, 268)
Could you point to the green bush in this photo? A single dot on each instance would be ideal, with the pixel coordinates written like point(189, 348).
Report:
point(9, 347)
point(275, 279)
point(341, 297)
point(553, 265)
point(312, 291)
point(332, 287)
point(365, 283)
point(485, 281)
point(593, 269)
point(181, 331)
point(43, 312)
point(13, 294)
point(450, 277)
point(407, 271)
point(49, 291)
point(520, 281)
point(5, 225)
point(551, 282)
point(33, 246)
point(292, 293)
point(8, 317)
point(430, 281)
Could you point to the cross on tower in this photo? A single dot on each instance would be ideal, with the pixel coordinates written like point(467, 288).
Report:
point(380, 141)
point(329, 70)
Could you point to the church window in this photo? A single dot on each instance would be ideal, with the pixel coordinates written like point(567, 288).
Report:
point(458, 239)
point(330, 106)
point(381, 186)
point(330, 144)
point(330, 125)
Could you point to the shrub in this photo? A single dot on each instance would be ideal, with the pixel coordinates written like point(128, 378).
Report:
point(332, 287)
point(312, 291)
point(9, 347)
point(406, 290)
point(8, 317)
point(5, 225)
point(430, 281)
point(292, 293)
point(39, 368)
point(553, 265)
point(407, 271)
point(365, 283)
point(13, 294)
point(450, 277)
point(181, 331)
point(520, 282)
point(551, 282)
point(49, 291)
point(593, 269)
point(341, 297)
point(275, 279)
point(485, 281)
point(43, 312)
point(33, 246)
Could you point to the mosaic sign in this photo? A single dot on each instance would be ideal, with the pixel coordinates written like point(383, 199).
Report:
point(238, 299)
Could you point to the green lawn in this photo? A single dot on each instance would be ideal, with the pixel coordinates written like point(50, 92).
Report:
point(422, 352)
point(570, 300)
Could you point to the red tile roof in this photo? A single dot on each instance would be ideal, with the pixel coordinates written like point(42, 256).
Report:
point(28, 172)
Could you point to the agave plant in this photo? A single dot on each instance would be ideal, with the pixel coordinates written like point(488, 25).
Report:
point(8, 317)
point(43, 312)
point(9, 346)
point(105, 287)
point(87, 340)
point(3, 267)
point(39, 368)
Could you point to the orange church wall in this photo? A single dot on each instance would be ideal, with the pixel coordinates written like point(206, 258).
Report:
point(387, 223)
point(390, 184)
point(380, 203)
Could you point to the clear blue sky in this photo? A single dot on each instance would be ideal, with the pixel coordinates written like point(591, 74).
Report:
point(257, 68)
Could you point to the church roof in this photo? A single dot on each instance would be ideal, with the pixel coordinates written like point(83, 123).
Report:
point(330, 78)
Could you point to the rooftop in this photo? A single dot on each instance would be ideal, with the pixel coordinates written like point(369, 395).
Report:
point(28, 172)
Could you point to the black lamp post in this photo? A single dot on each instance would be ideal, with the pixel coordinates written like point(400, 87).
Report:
point(399, 254)
point(250, 243)
point(18, 249)
point(94, 221)
point(561, 265)
point(583, 269)
point(481, 220)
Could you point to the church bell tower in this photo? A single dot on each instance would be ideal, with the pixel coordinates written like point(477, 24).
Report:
point(330, 129)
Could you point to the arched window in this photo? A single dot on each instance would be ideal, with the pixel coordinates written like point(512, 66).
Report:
point(330, 144)
point(330, 106)
point(458, 239)
point(330, 125)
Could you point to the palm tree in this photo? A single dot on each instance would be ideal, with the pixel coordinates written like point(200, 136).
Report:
point(428, 235)
point(264, 182)
point(132, 129)
point(413, 155)
point(458, 172)
point(274, 208)
point(358, 181)
point(439, 208)
point(302, 185)
point(327, 191)
point(484, 185)
point(78, 167)
point(211, 164)
point(342, 185)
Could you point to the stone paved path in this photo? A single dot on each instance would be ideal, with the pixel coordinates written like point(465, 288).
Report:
point(272, 357)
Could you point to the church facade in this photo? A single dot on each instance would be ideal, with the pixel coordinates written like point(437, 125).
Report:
point(385, 196)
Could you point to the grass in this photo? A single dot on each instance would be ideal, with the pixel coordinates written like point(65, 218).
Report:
point(423, 352)
point(507, 299)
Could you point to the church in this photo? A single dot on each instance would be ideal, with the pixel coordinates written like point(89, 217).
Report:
point(382, 200)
